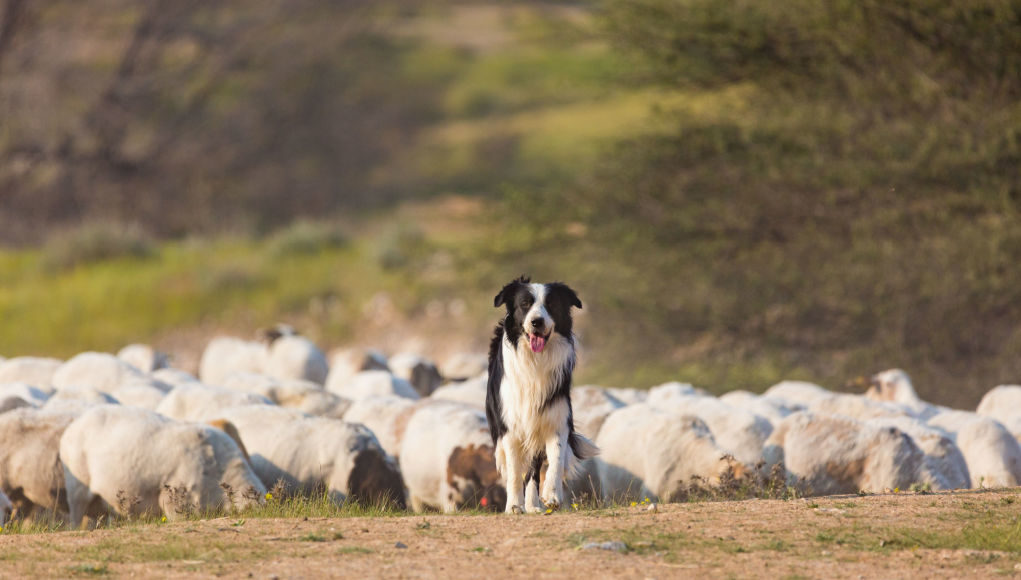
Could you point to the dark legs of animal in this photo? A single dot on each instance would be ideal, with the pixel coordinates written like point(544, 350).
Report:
point(536, 469)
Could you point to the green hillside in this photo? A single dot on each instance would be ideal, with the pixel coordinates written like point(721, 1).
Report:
point(740, 192)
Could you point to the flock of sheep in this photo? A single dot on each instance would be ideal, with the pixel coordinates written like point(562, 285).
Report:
point(101, 435)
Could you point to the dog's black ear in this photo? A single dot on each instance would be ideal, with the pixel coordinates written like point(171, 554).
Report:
point(505, 295)
point(566, 293)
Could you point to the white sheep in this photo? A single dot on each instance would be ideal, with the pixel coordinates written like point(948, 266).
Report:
point(35, 371)
point(591, 406)
point(370, 383)
point(470, 392)
point(856, 407)
point(672, 391)
point(945, 466)
point(448, 461)
point(129, 461)
point(299, 394)
point(16, 395)
point(417, 370)
point(771, 408)
point(796, 392)
point(1003, 403)
point(386, 416)
point(992, 453)
point(226, 355)
point(347, 362)
point(647, 452)
point(174, 377)
point(76, 399)
point(197, 402)
point(311, 454)
point(828, 455)
point(628, 396)
point(464, 365)
point(99, 370)
point(292, 356)
point(894, 386)
point(144, 357)
point(30, 467)
point(740, 433)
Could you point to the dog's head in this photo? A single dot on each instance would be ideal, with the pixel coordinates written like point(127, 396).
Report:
point(536, 311)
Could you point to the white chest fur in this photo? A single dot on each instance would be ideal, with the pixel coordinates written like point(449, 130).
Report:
point(528, 381)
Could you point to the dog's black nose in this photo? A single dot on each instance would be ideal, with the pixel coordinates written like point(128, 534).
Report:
point(538, 323)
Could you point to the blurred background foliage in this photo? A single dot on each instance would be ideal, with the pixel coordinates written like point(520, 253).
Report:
point(740, 191)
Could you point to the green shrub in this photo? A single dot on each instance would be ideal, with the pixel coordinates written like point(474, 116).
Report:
point(96, 241)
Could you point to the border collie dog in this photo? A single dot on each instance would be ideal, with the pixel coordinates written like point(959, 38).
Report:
point(528, 400)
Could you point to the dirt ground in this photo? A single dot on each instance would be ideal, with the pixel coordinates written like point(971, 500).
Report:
point(952, 535)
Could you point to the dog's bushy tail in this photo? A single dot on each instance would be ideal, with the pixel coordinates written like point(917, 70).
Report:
point(581, 446)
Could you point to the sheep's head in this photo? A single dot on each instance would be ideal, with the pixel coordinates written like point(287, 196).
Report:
point(892, 385)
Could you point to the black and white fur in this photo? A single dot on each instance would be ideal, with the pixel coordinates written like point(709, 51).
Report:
point(528, 400)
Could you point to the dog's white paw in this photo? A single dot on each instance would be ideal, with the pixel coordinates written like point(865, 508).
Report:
point(535, 509)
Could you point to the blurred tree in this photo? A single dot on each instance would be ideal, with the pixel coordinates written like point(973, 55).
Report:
point(194, 116)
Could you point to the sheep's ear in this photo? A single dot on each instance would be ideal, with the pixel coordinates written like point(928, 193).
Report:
point(565, 293)
point(507, 293)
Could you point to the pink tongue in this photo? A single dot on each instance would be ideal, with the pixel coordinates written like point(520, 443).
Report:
point(536, 342)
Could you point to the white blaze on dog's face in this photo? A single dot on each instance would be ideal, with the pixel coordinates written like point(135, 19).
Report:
point(538, 324)
point(536, 311)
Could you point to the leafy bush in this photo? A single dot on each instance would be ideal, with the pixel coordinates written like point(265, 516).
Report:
point(96, 242)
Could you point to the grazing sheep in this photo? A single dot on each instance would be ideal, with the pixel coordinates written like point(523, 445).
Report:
point(174, 377)
point(311, 454)
point(772, 409)
point(738, 432)
point(672, 391)
point(75, 399)
point(945, 466)
point(992, 453)
point(200, 403)
point(99, 370)
point(448, 461)
point(31, 370)
point(628, 396)
point(894, 386)
point(225, 355)
point(132, 461)
point(369, 383)
point(30, 469)
point(834, 454)
point(591, 406)
point(386, 416)
point(470, 392)
point(1003, 403)
point(299, 394)
point(419, 371)
point(292, 356)
point(651, 453)
point(144, 357)
point(145, 392)
point(17, 395)
point(463, 366)
point(796, 392)
point(347, 362)
point(855, 407)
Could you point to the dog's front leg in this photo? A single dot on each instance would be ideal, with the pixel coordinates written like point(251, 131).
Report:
point(514, 473)
point(553, 487)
